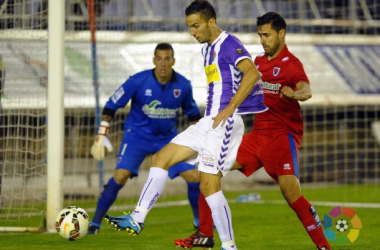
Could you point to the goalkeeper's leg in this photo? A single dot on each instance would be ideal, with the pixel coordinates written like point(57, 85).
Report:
point(108, 197)
point(290, 188)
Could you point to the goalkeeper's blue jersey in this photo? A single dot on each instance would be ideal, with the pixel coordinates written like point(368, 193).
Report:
point(154, 106)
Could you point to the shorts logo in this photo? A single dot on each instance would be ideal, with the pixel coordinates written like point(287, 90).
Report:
point(208, 160)
point(276, 71)
point(287, 166)
point(176, 93)
point(240, 51)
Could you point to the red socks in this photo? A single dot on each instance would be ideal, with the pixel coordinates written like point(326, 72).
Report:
point(310, 220)
point(206, 224)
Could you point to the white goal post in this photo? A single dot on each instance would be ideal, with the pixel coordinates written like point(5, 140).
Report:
point(55, 116)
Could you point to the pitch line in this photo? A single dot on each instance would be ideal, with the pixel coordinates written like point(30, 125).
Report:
point(186, 203)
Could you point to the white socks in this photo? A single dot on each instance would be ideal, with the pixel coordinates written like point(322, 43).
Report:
point(221, 215)
point(152, 190)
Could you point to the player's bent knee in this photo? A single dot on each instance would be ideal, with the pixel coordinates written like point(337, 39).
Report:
point(121, 176)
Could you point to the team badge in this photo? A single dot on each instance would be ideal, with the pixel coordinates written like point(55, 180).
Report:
point(276, 71)
point(239, 51)
point(176, 93)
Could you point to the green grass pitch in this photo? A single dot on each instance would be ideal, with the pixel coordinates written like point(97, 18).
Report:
point(257, 226)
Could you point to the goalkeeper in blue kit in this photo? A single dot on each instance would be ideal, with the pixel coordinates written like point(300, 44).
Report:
point(157, 95)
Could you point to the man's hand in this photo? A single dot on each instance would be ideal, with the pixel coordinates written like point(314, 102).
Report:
point(222, 116)
point(302, 94)
point(287, 92)
point(101, 141)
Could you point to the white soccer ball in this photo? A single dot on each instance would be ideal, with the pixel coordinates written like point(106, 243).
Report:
point(72, 223)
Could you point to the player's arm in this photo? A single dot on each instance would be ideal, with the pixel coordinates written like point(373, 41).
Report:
point(118, 100)
point(302, 93)
point(250, 78)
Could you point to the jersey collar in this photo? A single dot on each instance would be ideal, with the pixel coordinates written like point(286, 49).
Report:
point(284, 53)
point(172, 79)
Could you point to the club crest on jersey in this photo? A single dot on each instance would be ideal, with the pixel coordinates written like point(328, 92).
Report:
point(276, 71)
point(176, 92)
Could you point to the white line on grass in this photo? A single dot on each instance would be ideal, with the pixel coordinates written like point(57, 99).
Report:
point(186, 202)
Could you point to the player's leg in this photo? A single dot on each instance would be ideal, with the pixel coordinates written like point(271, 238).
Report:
point(290, 188)
point(158, 174)
point(153, 188)
point(108, 197)
point(132, 153)
point(204, 236)
point(288, 174)
point(190, 174)
point(246, 162)
point(216, 160)
point(183, 147)
point(220, 210)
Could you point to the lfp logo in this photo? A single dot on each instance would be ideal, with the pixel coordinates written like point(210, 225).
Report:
point(342, 225)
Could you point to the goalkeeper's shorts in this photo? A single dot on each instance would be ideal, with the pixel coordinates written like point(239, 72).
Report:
point(134, 149)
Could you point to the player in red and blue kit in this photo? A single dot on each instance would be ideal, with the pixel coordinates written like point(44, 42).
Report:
point(275, 139)
point(156, 95)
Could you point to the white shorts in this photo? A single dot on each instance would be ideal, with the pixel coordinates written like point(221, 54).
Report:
point(217, 148)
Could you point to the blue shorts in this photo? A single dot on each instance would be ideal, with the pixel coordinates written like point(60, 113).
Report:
point(134, 149)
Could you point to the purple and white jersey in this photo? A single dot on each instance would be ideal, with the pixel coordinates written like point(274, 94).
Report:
point(224, 77)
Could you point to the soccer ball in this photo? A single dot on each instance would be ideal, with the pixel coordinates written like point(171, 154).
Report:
point(72, 223)
point(341, 225)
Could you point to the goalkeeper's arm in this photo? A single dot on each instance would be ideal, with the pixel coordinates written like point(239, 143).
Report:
point(101, 140)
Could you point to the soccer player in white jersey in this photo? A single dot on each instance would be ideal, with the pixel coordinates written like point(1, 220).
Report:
point(214, 140)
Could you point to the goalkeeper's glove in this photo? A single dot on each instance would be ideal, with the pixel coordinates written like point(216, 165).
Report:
point(101, 141)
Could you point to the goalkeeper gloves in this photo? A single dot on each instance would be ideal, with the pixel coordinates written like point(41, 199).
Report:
point(101, 141)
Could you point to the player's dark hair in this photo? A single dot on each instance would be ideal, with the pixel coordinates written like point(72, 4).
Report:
point(277, 21)
point(164, 46)
point(203, 7)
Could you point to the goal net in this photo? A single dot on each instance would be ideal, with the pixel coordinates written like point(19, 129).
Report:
point(336, 41)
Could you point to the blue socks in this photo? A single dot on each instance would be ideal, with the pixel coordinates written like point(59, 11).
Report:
point(193, 195)
point(106, 199)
